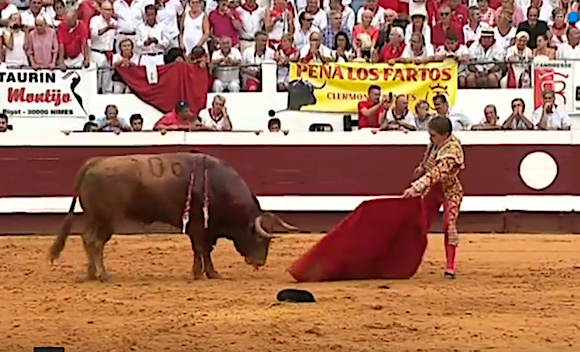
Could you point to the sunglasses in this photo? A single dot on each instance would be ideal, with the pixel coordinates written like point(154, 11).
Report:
point(444, 13)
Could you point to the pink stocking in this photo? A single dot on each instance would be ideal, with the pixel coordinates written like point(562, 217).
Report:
point(450, 257)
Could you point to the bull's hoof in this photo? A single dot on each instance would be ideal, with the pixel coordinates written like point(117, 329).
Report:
point(91, 277)
point(198, 276)
point(213, 275)
point(103, 277)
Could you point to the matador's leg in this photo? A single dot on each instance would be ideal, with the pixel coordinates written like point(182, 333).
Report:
point(451, 207)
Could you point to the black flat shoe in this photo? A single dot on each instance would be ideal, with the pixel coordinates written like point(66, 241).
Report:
point(448, 275)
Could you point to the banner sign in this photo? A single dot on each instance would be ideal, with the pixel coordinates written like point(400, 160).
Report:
point(338, 87)
point(559, 77)
point(44, 93)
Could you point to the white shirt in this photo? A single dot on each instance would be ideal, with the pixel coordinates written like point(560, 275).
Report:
point(28, 19)
point(228, 73)
point(168, 16)
point(9, 11)
point(324, 51)
point(558, 119)
point(409, 54)
point(409, 118)
point(426, 31)
point(144, 32)
point(469, 35)
point(348, 18)
point(249, 56)
point(302, 38)
point(494, 53)
point(16, 56)
point(378, 19)
point(105, 41)
point(320, 20)
point(505, 41)
point(252, 22)
point(129, 17)
point(565, 51)
point(459, 120)
point(208, 121)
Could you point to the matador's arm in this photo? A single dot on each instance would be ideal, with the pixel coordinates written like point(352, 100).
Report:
point(442, 169)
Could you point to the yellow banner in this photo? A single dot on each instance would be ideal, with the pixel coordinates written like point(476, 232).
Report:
point(338, 87)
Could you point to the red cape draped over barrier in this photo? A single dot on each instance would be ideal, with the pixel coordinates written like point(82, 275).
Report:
point(381, 239)
point(178, 81)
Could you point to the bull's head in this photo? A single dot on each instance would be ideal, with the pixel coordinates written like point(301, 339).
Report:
point(301, 93)
point(258, 253)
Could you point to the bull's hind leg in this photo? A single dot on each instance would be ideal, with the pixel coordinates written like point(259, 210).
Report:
point(103, 235)
point(90, 250)
point(197, 267)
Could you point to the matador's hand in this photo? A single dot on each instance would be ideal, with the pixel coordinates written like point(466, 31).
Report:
point(410, 192)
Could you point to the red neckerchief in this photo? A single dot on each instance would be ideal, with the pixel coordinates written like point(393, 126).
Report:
point(246, 7)
point(129, 2)
point(212, 115)
point(395, 52)
point(559, 32)
point(289, 51)
point(484, 49)
point(3, 6)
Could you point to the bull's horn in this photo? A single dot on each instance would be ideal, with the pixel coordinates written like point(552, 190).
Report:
point(260, 229)
point(282, 223)
point(322, 86)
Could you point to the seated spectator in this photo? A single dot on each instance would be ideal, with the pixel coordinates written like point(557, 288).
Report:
point(418, 51)
point(559, 28)
point(195, 27)
point(151, 39)
point(42, 46)
point(304, 30)
point(347, 14)
point(285, 54)
point(334, 27)
point(550, 116)
point(365, 31)
point(458, 12)
point(418, 25)
point(174, 55)
point(4, 126)
point(371, 112)
point(216, 118)
point(394, 49)
point(459, 52)
point(571, 49)
point(90, 126)
point(517, 120)
point(376, 9)
point(274, 125)
point(125, 58)
point(490, 122)
point(460, 121)
point(512, 7)
point(111, 122)
point(252, 59)
point(14, 38)
point(343, 51)
point(504, 32)
point(72, 38)
point(533, 26)
point(385, 29)
point(227, 72)
point(486, 12)
point(103, 33)
point(542, 50)
point(518, 59)
point(179, 119)
point(422, 115)
point(224, 23)
point(444, 25)
point(489, 51)
point(36, 10)
point(136, 122)
point(199, 57)
point(398, 117)
point(472, 30)
point(279, 21)
point(319, 17)
point(315, 52)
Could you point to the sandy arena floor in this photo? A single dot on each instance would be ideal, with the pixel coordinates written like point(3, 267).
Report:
point(514, 293)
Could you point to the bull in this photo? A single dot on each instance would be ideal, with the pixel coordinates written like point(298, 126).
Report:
point(301, 93)
point(202, 195)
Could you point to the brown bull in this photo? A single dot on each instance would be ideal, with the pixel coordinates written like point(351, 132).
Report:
point(154, 188)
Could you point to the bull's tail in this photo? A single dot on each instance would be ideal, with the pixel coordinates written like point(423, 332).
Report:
point(60, 240)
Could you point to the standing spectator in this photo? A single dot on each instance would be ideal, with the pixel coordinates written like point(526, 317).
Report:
point(542, 49)
point(195, 27)
point(58, 12)
point(335, 25)
point(559, 28)
point(460, 121)
point(458, 12)
point(422, 116)
point(444, 25)
point(279, 21)
point(513, 8)
point(227, 74)
point(305, 29)
point(285, 54)
point(103, 29)
point(224, 23)
point(28, 17)
point(489, 51)
point(385, 30)
point(371, 112)
point(518, 59)
point(533, 26)
point(459, 52)
point(252, 59)
point(472, 30)
point(571, 49)
point(517, 120)
point(14, 38)
point(124, 58)
point(418, 25)
point(252, 17)
point(151, 39)
point(179, 119)
point(550, 116)
point(319, 17)
point(376, 10)
point(72, 40)
point(394, 49)
point(216, 118)
point(315, 52)
point(487, 13)
point(418, 51)
point(88, 9)
point(365, 35)
point(504, 32)
point(129, 17)
point(136, 122)
point(490, 122)
point(168, 14)
point(545, 8)
point(399, 117)
point(7, 9)
point(4, 126)
point(42, 46)
point(347, 14)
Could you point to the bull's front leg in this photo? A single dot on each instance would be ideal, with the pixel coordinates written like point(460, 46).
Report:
point(208, 264)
